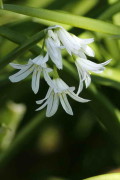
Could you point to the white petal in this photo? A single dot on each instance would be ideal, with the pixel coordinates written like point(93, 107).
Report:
point(45, 59)
point(22, 74)
point(86, 41)
point(61, 85)
point(41, 107)
point(81, 54)
point(50, 104)
point(87, 80)
point(54, 36)
point(81, 68)
point(54, 107)
point(36, 79)
point(66, 40)
point(54, 52)
point(46, 97)
point(88, 50)
point(37, 60)
point(18, 66)
point(80, 87)
point(65, 104)
point(91, 66)
point(106, 62)
point(77, 98)
point(48, 79)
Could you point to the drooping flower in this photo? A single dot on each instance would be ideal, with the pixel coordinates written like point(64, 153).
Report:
point(54, 48)
point(59, 93)
point(84, 68)
point(72, 43)
point(35, 67)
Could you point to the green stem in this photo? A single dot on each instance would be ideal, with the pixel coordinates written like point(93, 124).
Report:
point(55, 73)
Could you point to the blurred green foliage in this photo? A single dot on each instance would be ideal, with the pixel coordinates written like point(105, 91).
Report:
point(33, 147)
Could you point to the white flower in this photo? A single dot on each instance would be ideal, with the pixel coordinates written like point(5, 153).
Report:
point(34, 67)
point(72, 43)
point(53, 48)
point(84, 68)
point(59, 93)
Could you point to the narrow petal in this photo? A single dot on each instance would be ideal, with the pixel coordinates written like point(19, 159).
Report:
point(88, 50)
point(106, 62)
point(50, 104)
point(54, 107)
point(36, 79)
point(48, 79)
point(18, 66)
point(77, 98)
point(54, 52)
point(22, 74)
point(80, 87)
point(46, 97)
point(81, 54)
point(91, 66)
point(41, 107)
point(45, 59)
point(65, 104)
point(86, 41)
point(87, 80)
point(66, 40)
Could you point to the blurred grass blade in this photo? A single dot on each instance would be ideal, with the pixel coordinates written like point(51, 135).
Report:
point(113, 9)
point(65, 18)
point(110, 77)
point(11, 116)
point(80, 7)
point(26, 46)
point(114, 176)
point(21, 139)
point(1, 4)
point(17, 38)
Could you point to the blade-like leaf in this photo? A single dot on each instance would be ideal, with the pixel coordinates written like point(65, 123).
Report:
point(65, 18)
point(17, 38)
point(21, 139)
point(110, 11)
point(26, 46)
point(114, 176)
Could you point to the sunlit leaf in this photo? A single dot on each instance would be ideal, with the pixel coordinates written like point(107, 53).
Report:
point(76, 21)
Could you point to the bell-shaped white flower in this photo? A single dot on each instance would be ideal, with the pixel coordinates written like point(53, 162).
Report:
point(57, 94)
point(73, 44)
point(35, 67)
point(84, 68)
point(53, 48)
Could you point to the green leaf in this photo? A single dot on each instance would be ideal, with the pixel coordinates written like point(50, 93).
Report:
point(17, 38)
point(26, 46)
point(21, 139)
point(1, 4)
point(114, 176)
point(65, 18)
point(113, 9)
point(110, 77)
point(9, 125)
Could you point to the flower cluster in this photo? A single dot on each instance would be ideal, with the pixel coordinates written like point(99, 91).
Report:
point(56, 39)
